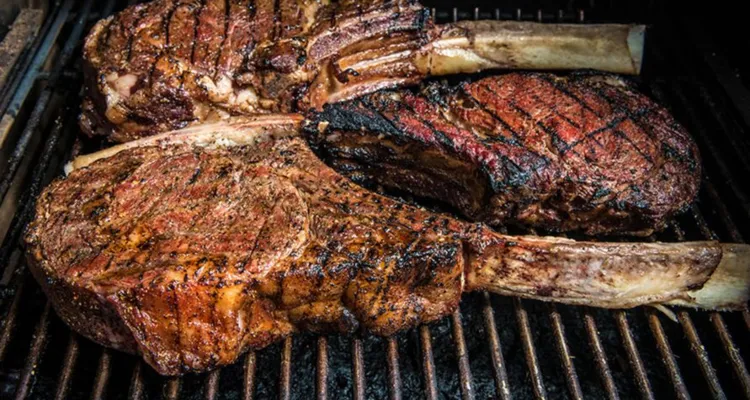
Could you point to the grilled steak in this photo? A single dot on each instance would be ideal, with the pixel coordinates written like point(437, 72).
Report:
point(193, 247)
point(584, 152)
point(169, 63)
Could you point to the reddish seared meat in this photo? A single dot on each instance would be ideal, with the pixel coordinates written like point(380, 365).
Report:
point(577, 153)
point(166, 64)
point(193, 247)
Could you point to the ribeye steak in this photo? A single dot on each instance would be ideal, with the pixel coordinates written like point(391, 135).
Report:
point(584, 152)
point(166, 64)
point(193, 247)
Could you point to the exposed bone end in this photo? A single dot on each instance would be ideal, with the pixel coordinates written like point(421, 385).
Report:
point(705, 275)
point(728, 288)
point(472, 46)
point(636, 38)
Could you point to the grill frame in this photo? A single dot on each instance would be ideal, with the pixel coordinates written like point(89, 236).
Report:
point(723, 97)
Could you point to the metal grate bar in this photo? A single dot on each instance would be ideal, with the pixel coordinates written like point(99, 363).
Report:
point(701, 222)
point(667, 356)
point(696, 346)
point(21, 66)
point(41, 103)
point(634, 357)
point(102, 376)
point(715, 152)
point(528, 346)
point(700, 352)
point(10, 319)
point(136, 382)
point(212, 384)
point(571, 376)
point(662, 343)
point(35, 353)
point(394, 372)
point(285, 377)
point(724, 74)
point(322, 372)
point(37, 63)
point(732, 352)
point(734, 233)
point(249, 387)
point(528, 343)
point(467, 386)
point(502, 387)
point(358, 365)
point(562, 346)
point(726, 339)
point(428, 363)
point(600, 357)
point(172, 388)
point(700, 127)
point(71, 355)
point(723, 121)
point(28, 201)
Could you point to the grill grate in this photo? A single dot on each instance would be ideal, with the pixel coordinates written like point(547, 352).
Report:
point(492, 347)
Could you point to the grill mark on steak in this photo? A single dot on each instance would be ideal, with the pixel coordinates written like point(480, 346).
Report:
point(554, 109)
point(569, 94)
point(197, 23)
point(133, 30)
point(227, 8)
point(276, 19)
point(382, 122)
point(610, 126)
point(104, 41)
point(240, 58)
point(440, 135)
point(243, 264)
point(157, 202)
point(515, 174)
point(558, 147)
point(327, 254)
point(165, 48)
point(516, 138)
point(248, 48)
point(627, 139)
point(215, 332)
point(166, 23)
point(577, 176)
point(174, 307)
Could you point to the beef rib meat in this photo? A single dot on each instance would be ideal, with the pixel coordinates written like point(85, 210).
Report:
point(192, 247)
point(166, 64)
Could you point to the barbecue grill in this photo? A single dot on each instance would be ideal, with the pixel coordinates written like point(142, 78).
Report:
point(493, 347)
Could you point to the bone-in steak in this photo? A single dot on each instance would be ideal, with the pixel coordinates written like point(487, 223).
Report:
point(559, 153)
point(165, 64)
point(193, 247)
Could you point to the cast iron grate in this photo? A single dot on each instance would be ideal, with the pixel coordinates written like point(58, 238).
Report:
point(493, 347)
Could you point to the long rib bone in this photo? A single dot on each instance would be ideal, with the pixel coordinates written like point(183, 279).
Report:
point(193, 247)
point(146, 74)
point(473, 46)
point(700, 274)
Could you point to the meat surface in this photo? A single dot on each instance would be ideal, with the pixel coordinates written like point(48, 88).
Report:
point(578, 153)
point(165, 64)
point(192, 247)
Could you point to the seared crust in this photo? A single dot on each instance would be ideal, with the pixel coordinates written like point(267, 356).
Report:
point(165, 64)
point(192, 247)
point(191, 256)
point(585, 152)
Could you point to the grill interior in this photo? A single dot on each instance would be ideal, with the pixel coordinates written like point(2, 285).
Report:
point(493, 347)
